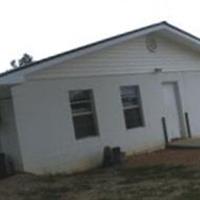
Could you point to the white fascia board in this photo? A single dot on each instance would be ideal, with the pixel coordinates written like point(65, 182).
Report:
point(186, 38)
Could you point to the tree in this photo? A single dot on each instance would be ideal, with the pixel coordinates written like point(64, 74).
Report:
point(26, 59)
point(13, 64)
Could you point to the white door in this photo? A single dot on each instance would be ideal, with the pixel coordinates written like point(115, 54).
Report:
point(172, 115)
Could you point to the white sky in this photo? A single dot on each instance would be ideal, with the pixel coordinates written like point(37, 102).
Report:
point(47, 27)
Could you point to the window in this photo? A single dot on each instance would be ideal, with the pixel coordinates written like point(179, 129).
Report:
point(130, 96)
point(83, 113)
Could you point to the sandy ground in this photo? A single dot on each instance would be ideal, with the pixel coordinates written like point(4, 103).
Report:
point(166, 174)
point(167, 157)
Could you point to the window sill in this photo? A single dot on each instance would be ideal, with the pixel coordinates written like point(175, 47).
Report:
point(87, 137)
point(135, 128)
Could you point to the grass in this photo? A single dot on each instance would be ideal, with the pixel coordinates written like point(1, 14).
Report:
point(163, 181)
point(159, 172)
point(145, 182)
point(156, 182)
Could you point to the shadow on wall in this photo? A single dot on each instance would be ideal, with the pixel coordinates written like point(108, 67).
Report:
point(6, 166)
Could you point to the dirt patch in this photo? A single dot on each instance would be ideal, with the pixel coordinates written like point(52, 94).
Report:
point(167, 175)
point(167, 157)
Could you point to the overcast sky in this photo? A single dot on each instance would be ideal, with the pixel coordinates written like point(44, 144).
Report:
point(43, 28)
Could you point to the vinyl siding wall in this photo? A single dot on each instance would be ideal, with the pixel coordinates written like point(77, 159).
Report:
point(45, 125)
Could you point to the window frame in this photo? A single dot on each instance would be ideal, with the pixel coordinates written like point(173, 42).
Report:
point(92, 113)
point(131, 107)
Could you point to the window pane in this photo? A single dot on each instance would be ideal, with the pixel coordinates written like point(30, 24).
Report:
point(79, 95)
point(81, 107)
point(132, 106)
point(133, 118)
point(84, 126)
point(129, 95)
point(83, 113)
point(129, 91)
point(129, 101)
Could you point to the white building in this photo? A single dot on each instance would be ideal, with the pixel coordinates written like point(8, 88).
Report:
point(58, 114)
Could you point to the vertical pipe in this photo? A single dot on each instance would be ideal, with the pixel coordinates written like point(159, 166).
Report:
point(187, 120)
point(165, 130)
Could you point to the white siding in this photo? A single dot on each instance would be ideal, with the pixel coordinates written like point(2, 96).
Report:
point(45, 125)
point(192, 97)
point(8, 133)
point(126, 58)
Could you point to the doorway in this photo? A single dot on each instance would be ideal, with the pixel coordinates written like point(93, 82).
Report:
point(172, 108)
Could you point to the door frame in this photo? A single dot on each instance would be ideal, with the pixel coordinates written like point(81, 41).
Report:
point(179, 106)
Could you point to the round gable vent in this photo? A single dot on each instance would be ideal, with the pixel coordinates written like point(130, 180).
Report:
point(151, 44)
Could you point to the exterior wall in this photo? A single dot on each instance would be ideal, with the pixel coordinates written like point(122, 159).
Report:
point(191, 86)
point(45, 125)
point(8, 133)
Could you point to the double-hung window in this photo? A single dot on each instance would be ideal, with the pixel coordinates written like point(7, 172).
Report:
point(83, 113)
point(132, 106)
